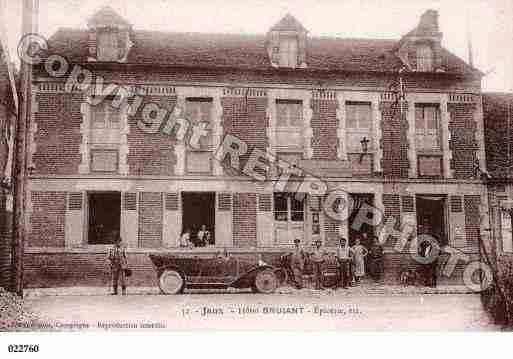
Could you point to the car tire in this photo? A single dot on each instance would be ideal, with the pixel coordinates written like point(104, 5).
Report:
point(171, 282)
point(266, 282)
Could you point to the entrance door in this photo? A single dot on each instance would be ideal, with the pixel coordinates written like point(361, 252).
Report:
point(198, 209)
point(289, 218)
point(431, 215)
point(104, 216)
point(360, 199)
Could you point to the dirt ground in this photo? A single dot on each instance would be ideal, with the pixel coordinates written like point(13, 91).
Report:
point(310, 310)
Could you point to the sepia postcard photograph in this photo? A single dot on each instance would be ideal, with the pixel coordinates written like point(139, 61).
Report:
point(334, 166)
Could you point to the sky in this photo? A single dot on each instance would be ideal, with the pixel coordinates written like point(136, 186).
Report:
point(488, 23)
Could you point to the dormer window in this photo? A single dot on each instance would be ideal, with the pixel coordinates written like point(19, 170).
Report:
point(424, 58)
point(108, 46)
point(288, 51)
point(109, 36)
point(287, 43)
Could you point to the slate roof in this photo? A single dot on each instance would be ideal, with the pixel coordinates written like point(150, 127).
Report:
point(106, 15)
point(498, 136)
point(289, 23)
point(213, 50)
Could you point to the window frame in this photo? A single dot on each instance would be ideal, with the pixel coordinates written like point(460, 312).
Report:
point(360, 132)
point(425, 57)
point(425, 130)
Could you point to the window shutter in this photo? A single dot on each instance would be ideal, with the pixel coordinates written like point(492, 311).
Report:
point(172, 201)
point(456, 204)
point(130, 201)
point(75, 200)
point(224, 202)
point(408, 204)
point(264, 202)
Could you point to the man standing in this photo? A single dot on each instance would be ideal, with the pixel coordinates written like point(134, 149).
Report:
point(118, 264)
point(344, 260)
point(297, 262)
point(317, 257)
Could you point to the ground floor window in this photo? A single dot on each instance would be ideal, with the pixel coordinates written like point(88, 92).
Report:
point(431, 217)
point(289, 217)
point(104, 217)
point(198, 217)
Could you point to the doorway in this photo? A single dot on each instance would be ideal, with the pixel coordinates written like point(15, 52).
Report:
point(359, 200)
point(198, 208)
point(104, 217)
point(431, 217)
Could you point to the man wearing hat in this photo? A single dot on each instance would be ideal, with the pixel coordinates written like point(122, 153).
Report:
point(297, 263)
point(317, 258)
point(118, 264)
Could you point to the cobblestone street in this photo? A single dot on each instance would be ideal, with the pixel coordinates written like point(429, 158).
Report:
point(306, 310)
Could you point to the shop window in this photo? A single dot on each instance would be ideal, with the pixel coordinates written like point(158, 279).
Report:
point(289, 217)
point(289, 124)
point(424, 58)
point(288, 208)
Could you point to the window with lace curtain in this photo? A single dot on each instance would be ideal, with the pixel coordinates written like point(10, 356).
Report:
point(199, 110)
point(424, 58)
point(289, 125)
point(427, 140)
point(107, 46)
point(104, 139)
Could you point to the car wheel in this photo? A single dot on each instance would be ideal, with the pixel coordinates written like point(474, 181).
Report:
point(171, 282)
point(266, 282)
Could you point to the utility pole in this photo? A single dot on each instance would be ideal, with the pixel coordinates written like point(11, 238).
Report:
point(29, 15)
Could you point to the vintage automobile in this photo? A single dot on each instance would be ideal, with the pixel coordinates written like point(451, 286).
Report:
point(220, 271)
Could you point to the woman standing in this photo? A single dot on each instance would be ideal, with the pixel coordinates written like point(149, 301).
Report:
point(359, 254)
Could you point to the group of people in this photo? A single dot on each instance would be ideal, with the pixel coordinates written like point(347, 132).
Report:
point(350, 262)
point(203, 238)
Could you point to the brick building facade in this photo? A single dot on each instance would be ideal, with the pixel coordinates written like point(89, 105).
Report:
point(327, 106)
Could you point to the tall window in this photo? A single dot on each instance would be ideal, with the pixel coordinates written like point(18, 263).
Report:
point(427, 140)
point(506, 228)
point(199, 110)
point(289, 125)
point(427, 126)
point(289, 217)
point(107, 46)
point(288, 51)
point(358, 126)
point(424, 58)
point(104, 136)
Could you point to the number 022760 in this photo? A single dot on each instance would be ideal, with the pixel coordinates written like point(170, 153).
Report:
point(23, 348)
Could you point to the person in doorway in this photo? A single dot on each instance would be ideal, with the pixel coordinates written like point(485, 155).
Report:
point(376, 260)
point(118, 265)
point(317, 258)
point(427, 250)
point(297, 263)
point(203, 236)
point(185, 239)
point(359, 254)
point(344, 254)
